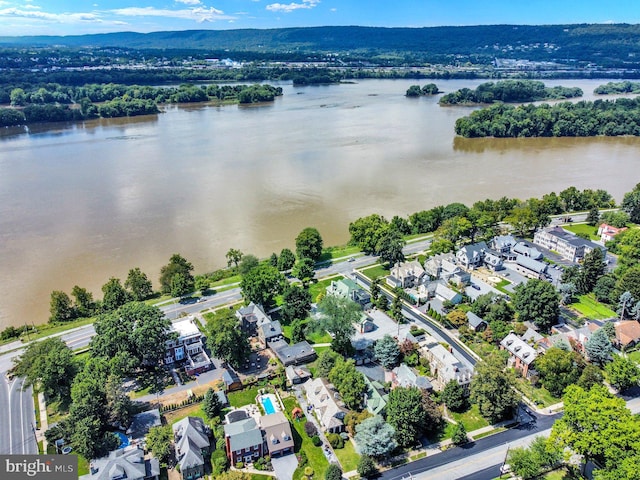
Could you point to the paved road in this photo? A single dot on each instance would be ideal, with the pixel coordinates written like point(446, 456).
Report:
point(17, 418)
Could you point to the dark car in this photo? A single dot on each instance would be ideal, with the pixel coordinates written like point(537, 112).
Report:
point(473, 285)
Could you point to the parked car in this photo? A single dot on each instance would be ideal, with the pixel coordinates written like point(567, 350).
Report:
point(473, 285)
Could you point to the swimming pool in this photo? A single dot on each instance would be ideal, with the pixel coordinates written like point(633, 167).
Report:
point(124, 440)
point(268, 405)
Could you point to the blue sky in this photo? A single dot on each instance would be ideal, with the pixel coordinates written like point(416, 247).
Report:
point(71, 17)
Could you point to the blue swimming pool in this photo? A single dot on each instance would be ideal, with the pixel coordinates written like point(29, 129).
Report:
point(268, 405)
point(124, 440)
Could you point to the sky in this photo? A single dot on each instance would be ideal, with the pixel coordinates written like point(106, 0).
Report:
point(74, 17)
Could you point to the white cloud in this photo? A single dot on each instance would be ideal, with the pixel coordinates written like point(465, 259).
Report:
point(290, 7)
point(199, 14)
point(189, 2)
point(333, 9)
point(52, 17)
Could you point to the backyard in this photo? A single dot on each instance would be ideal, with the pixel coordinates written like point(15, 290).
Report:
point(588, 306)
point(583, 228)
point(347, 456)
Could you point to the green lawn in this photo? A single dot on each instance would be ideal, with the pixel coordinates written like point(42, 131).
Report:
point(375, 272)
point(347, 456)
point(243, 397)
point(501, 284)
point(471, 419)
point(635, 356)
point(591, 308)
point(490, 432)
point(49, 329)
point(194, 410)
point(330, 253)
point(319, 287)
point(315, 456)
point(538, 395)
point(83, 465)
point(583, 228)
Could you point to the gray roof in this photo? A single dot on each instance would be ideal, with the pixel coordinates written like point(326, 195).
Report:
point(290, 354)
point(519, 348)
point(191, 437)
point(243, 434)
point(531, 264)
point(270, 329)
point(406, 377)
point(573, 239)
point(503, 241)
point(474, 320)
point(527, 250)
point(142, 422)
point(277, 432)
point(126, 463)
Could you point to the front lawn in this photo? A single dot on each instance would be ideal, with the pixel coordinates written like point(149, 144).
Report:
point(635, 356)
point(315, 455)
point(347, 456)
point(501, 284)
point(471, 419)
point(538, 395)
point(584, 229)
point(374, 272)
point(591, 308)
point(243, 397)
point(319, 287)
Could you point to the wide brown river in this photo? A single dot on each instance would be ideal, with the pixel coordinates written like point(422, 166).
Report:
point(81, 203)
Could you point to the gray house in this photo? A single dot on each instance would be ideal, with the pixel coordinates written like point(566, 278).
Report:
point(192, 444)
point(472, 256)
point(476, 323)
point(125, 463)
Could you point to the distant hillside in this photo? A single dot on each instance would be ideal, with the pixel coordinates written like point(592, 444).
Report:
point(599, 43)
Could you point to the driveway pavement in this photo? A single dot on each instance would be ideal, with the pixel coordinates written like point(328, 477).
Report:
point(284, 466)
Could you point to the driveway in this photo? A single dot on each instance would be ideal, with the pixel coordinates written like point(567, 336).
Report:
point(284, 466)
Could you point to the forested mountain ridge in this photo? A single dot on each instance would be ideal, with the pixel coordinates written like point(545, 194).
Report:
point(605, 44)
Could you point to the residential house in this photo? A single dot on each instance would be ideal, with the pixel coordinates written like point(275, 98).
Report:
point(608, 232)
point(493, 261)
point(251, 317)
point(472, 256)
point(375, 397)
point(187, 347)
point(270, 332)
point(125, 463)
point(404, 376)
point(296, 354)
point(297, 374)
point(276, 431)
point(521, 354)
point(627, 334)
point(530, 268)
point(444, 293)
point(476, 323)
point(347, 288)
point(243, 439)
point(576, 338)
point(142, 422)
point(327, 404)
point(526, 250)
point(406, 275)
point(444, 364)
point(192, 445)
point(532, 337)
point(503, 243)
point(569, 246)
point(443, 267)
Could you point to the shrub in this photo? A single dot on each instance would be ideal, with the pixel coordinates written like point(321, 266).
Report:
point(302, 458)
point(219, 461)
point(335, 440)
point(367, 467)
point(316, 440)
point(310, 429)
point(334, 472)
point(239, 465)
point(308, 471)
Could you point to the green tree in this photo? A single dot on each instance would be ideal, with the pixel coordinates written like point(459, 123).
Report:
point(177, 265)
point(226, 340)
point(138, 285)
point(349, 382)
point(367, 467)
point(389, 247)
point(326, 361)
point(211, 405)
point(60, 307)
point(599, 347)
point(181, 285)
point(411, 414)
point(558, 369)
point(531, 462)
point(159, 442)
point(387, 352)
point(604, 288)
point(593, 267)
point(119, 405)
point(365, 232)
point(48, 365)
point(309, 244)
point(114, 295)
point(593, 217)
point(374, 292)
point(622, 373)
point(304, 270)
point(441, 245)
point(273, 260)
point(631, 204)
point(591, 375)
point(261, 284)
point(334, 472)
point(296, 303)
point(83, 302)
point(537, 301)
point(248, 263)
point(491, 390)
point(286, 260)
point(298, 331)
point(338, 318)
point(202, 284)
point(454, 397)
point(234, 256)
point(459, 436)
point(457, 318)
point(396, 308)
point(375, 437)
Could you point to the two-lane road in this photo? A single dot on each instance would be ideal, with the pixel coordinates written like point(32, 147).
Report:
point(17, 418)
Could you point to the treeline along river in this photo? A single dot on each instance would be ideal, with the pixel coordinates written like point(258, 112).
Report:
point(82, 202)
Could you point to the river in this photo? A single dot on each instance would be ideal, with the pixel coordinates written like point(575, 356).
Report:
point(80, 203)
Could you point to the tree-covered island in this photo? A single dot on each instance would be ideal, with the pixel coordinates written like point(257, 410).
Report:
point(613, 88)
point(509, 91)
